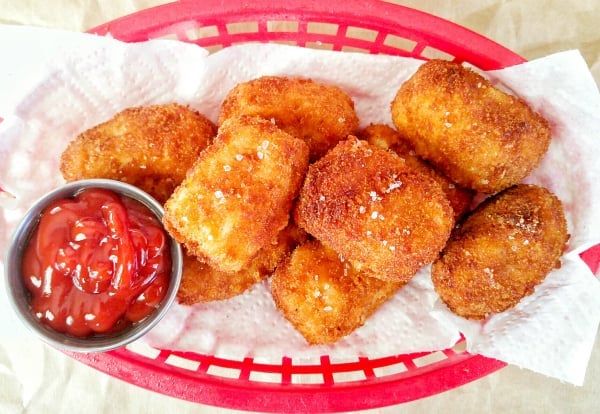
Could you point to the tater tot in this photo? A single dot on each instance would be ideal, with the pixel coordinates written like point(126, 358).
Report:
point(501, 251)
point(380, 214)
point(320, 114)
point(151, 147)
point(322, 296)
point(202, 283)
point(386, 137)
point(477, 135)
point(238, 195)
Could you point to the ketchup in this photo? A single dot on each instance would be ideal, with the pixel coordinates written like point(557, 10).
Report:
point(96, 263)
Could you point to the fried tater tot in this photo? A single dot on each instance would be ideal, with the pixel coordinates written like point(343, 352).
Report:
point(150, 147)
point(202, 283)
point(324, 297)
point(501, 251)
point(320, 114)
point(237, 197)
point(386, 137)
point(474, 133)
point(369, 205)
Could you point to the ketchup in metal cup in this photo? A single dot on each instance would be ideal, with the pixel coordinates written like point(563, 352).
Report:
point(96, 263)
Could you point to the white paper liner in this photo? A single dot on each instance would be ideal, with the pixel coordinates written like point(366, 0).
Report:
point(88, 79)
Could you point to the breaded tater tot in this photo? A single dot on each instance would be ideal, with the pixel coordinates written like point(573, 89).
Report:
point(320, 114)
point(474, 133)
point(324, 297)
point(237, 197)
point(202, 283)
point(151, 147)
point(501, 251)
point(380, 214)
point(387, 137)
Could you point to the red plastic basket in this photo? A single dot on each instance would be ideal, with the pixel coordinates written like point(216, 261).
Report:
point(326, 385)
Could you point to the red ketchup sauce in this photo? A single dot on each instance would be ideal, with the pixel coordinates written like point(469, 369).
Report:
point(97, 263)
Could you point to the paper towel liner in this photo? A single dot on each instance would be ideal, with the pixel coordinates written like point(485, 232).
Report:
point(91, 78)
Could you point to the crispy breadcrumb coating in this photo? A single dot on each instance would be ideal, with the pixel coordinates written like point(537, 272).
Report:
point(150, 147)
point(320, 114)
point(380, 214)
point(501, 251)
point(474, 133)
point(237, 197)
point(324, 297)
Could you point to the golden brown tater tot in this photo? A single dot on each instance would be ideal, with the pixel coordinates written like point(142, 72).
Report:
point(380, 214)
point(237, 197)
point(151, 147)
point(320, 114)
point(474, 133)
point(501, 251)
point(324, 297)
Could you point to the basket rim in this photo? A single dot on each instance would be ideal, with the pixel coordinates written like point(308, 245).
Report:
point(267, 397)
point(465, 44)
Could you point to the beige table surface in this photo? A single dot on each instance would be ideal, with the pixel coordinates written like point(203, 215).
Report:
point(35, 378)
